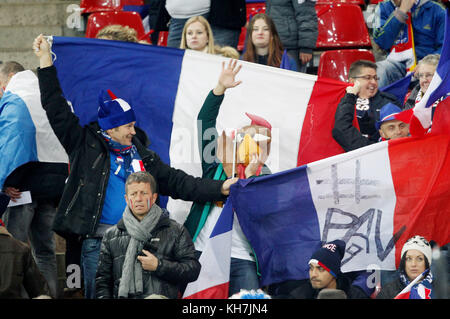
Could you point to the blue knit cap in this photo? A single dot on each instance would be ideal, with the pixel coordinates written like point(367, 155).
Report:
point(329, 257)
point(113, 112)
point(387, 113)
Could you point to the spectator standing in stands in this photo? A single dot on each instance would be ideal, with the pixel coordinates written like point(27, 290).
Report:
point(219, 164)
point(102, 155)
point(368, 101)
point(424, 73)
point(18, 269)
point(180, 11)
point(263, 45)
point(324, 273)
point(392, 20)
point(296, 23)
point(45, 181)
point(197, 35)
point(166, 255)
point(415, 259)
point(227, 19)
point(158, 18)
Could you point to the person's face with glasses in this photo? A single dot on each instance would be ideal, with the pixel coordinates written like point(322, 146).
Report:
point(369, 82)
point(425, 73)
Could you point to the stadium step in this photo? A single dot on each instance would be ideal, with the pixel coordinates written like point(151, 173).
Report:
point(22, 20)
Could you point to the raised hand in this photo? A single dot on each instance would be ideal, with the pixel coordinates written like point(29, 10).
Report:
point(227, 78)
point(41, 49)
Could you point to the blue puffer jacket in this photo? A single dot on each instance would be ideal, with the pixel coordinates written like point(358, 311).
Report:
point(428, 21)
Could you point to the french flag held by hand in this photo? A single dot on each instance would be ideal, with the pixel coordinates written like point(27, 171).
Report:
point(439, 87)
point(421, 293)
point(214, 278)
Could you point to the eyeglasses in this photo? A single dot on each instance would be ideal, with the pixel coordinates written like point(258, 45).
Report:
point(424, 75)
point(367, 77)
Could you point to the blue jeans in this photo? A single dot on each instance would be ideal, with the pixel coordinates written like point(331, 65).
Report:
point(389, 72)
point(34, 222)
point(226, 37)
point(90, 253)
point(242, 276)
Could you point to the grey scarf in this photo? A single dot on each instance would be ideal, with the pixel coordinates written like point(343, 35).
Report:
point(140, 231)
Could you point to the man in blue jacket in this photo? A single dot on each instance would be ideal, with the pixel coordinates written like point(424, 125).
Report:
point(391, 29)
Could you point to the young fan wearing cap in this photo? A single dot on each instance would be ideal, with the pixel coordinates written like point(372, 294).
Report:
point(102, 155)
point(324, 273)
point(416, 257)
point(252, 149)
point(366, 100)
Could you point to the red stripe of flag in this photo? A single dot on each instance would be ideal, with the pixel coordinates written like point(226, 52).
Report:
point(215, 292)
point(420, 171)
point(316, 141)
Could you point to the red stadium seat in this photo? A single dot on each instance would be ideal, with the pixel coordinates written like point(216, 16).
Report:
point(162, 40)
point(341, 26)
point(361, 3)
point(99, 20)
point(335, 64)
point(90, 6)
point(252, 9)
point(132, 2)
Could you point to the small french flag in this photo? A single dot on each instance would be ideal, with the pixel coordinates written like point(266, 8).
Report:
point(214, 278)
point(420, 293)
point(137, 165)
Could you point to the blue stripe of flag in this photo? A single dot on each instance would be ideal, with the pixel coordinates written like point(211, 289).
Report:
point(18, 135)
point(225, 222)
point(278, 217)
point(132, 71)
point(443, 68)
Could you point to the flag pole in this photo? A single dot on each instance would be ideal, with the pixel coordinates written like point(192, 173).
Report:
point(234, 153)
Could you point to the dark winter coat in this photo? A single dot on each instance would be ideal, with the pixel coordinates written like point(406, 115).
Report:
point(17, 269)
point(302, 289)
point(346, 134)
point(174, 249)
point(45, 181)
point(81, 204)
point(229, 14)
point(296, 23)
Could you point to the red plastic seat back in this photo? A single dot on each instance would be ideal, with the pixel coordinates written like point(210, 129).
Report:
point(90, 6)
point(335, 64)
point(341, 26)
point(252, 8)
point(99, 20)
point(132, 2)
point(357, 2)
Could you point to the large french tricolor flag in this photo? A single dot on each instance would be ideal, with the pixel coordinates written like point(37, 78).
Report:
point(438, 88)
point(214, 278)
point(373, 198)
point(25, 134)
point(167, 87)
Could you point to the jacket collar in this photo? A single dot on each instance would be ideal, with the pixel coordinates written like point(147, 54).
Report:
point(163, 221)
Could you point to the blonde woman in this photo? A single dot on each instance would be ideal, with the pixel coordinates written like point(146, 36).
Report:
point(197, 35)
